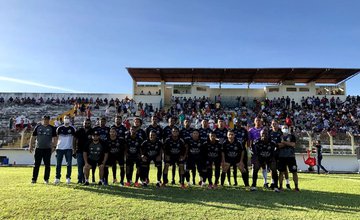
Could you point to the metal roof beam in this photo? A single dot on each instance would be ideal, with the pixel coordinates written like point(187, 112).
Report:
point(317, 76)
point(285, 76)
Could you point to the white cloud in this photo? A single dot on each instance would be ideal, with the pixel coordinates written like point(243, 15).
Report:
point(26, 82)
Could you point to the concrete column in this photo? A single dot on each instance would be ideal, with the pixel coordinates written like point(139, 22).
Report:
point(352, 142)
point(22, 138)
point(134, 88)
point(331, 143)
point(162, 87)
point(344, 84)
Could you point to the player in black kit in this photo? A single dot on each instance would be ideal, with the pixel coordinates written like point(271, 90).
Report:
point(242, 135)
point(139, 131)
point(120, 133)
point(166, 134)
point(151, 150)
point(133, 156)
point(264, 150)
point(185, 134)
point(174, 153)
point(232, 155)
point(154, 126)
point(116, 146)
point(103, 131)
point(204, 131)
point(194, 156)
point(212, 153)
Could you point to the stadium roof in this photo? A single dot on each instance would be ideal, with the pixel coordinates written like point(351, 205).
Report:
point(242, 75)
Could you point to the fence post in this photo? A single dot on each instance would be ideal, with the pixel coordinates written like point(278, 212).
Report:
point(331, 143)
point(22, 138)
point(352, 142)
point(310, 140)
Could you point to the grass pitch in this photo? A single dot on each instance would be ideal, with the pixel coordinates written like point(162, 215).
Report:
point(322, 197)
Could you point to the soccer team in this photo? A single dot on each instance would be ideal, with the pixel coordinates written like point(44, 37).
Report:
point(200, 151)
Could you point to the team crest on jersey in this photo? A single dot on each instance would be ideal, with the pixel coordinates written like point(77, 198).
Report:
point(98, 148)
point(199, 145)
point(69, 131)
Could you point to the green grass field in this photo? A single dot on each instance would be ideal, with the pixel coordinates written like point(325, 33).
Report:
point(322, 197)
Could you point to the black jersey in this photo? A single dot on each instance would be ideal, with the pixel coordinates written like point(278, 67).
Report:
point(116, 146)
point(232, 150)
point(151, 149)
point(96, 152)
point(120, 130)
point(264, 150)
point(241, 135)
point(221, 134)
point(204, 134)
point(194, 148)
point(167, 132)
point(83, 138)
point(185, 134)
point(287, 151)
point(140, 133)
point(157, 129)
point(174, 147)
point(104, 132)
point(275, 136)
point(212, 151)
point(133, 146)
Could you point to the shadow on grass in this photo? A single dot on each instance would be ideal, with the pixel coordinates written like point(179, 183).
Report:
point(236, 198)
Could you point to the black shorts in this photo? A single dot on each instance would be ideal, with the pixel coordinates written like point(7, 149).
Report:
point(157, 163)
point(193, 162)
point(265, 161)
point(94, 163)
point(287, 162)
point(174, 159)
point(113, 158)
point(271, 163)
point(213, 161)
point(232, 161)
point(132, 161)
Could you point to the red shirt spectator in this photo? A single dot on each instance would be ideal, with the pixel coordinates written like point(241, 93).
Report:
point(288, 121)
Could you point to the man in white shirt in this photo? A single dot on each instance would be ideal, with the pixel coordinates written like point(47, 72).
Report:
point(65, 147)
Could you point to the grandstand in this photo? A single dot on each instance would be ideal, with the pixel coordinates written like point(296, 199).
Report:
point(298, 93)
point(301, 93)
point(32, 106)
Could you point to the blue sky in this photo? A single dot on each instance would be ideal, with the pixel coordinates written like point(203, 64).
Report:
point(84, 46)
